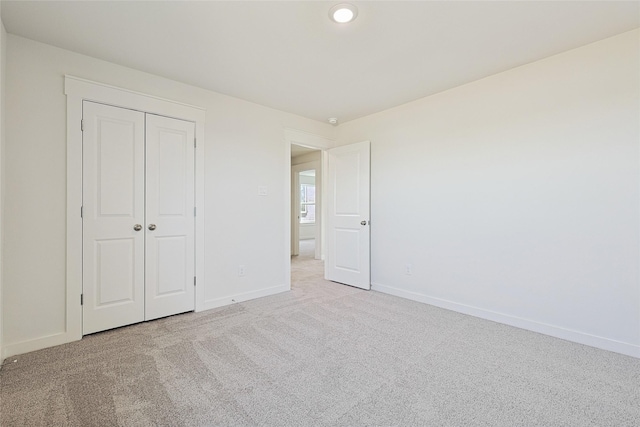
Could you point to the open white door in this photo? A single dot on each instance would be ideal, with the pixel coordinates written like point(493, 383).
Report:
point(348, 238)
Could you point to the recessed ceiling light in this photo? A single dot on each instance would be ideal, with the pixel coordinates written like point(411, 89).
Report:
point(343, 13)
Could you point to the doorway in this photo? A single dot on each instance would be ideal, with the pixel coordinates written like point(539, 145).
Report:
point(306, 200)
point(77, 90)
point(306, 215)
point(345, 234)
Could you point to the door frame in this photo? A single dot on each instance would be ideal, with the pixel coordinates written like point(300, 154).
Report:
point(78, 90)
point(309, 140)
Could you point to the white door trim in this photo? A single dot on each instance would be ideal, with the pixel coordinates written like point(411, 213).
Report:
point(78, 90)
point(295, 224)
point(310, 140)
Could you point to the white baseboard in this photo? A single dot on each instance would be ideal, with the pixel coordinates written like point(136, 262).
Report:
point(530, 325)
point(245, 296)
point(27, 346)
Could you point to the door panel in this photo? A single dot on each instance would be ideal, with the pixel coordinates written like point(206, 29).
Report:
point(170, 205)
point(113, 202)
point(347, 168)
point(115, 272)
point(348, 238)
point(171, 265)
point(172, 170)
point(116, 167)
point(347, 249)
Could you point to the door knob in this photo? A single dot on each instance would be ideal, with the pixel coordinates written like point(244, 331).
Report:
point(363, 222)
point(137, 227)
point(152, 227)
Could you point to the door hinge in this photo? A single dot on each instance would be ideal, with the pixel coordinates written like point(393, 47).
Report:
point(194, 280)
point(81, 299)
point(81, 125)
point(81, 211)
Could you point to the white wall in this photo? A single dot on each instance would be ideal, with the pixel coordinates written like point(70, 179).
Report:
point(516, 197)
point(307, 231)
point(35, 200)
point(3, 50)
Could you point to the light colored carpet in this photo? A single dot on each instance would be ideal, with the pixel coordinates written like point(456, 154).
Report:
point(323, 354)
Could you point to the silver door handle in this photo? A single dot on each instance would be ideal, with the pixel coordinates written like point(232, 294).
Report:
point(137, 227)
point(152, 227)
point(363, 222)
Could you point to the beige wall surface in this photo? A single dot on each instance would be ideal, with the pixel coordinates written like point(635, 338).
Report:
point(516, 197)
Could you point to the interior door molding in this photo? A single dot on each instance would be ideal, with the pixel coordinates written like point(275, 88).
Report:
point(78, 90)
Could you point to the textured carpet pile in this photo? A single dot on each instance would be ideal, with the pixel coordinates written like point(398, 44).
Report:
point(323, 354)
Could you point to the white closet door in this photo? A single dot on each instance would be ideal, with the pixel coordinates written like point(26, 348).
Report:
point(113, 204)
point(170, 222)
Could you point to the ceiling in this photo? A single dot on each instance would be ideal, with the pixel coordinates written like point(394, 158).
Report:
point(299, 150)
point(288, 55)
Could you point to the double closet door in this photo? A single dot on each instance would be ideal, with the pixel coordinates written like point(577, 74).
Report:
point(138, 216)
